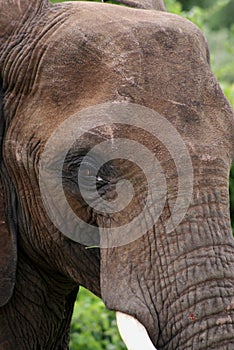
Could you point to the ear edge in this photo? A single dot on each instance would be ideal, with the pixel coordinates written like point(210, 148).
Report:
point(8, 256)
point(8, 253)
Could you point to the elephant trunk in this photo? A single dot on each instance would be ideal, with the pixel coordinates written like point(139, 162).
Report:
point(198, 312)
point(181, 283)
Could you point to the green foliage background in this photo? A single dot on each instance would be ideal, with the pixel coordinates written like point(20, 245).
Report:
point(93, 327)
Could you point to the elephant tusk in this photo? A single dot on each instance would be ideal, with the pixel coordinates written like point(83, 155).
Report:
point(133, 333)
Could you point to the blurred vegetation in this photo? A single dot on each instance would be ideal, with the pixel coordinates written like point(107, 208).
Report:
point(94, 328)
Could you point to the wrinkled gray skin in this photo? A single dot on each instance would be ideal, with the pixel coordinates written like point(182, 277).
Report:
point(54, 61)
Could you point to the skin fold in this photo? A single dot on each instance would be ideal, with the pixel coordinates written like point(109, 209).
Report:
point(56, 60)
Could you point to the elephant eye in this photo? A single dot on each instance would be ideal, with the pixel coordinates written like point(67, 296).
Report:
point(82, 171)
point(88, 172)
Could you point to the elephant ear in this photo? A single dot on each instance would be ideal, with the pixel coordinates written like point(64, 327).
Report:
point(144, 4)
point(8, 256)
point(8, 252)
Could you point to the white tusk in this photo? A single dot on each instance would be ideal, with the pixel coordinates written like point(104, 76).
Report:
point(133, 333)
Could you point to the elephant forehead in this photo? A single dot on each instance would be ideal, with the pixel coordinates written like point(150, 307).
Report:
point(113, 35)
point(94, 17)
point(103, 52)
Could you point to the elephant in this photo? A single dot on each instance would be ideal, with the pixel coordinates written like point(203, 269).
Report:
point(68, 71)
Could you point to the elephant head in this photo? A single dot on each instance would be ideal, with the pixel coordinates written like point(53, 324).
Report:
point(116, 145)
